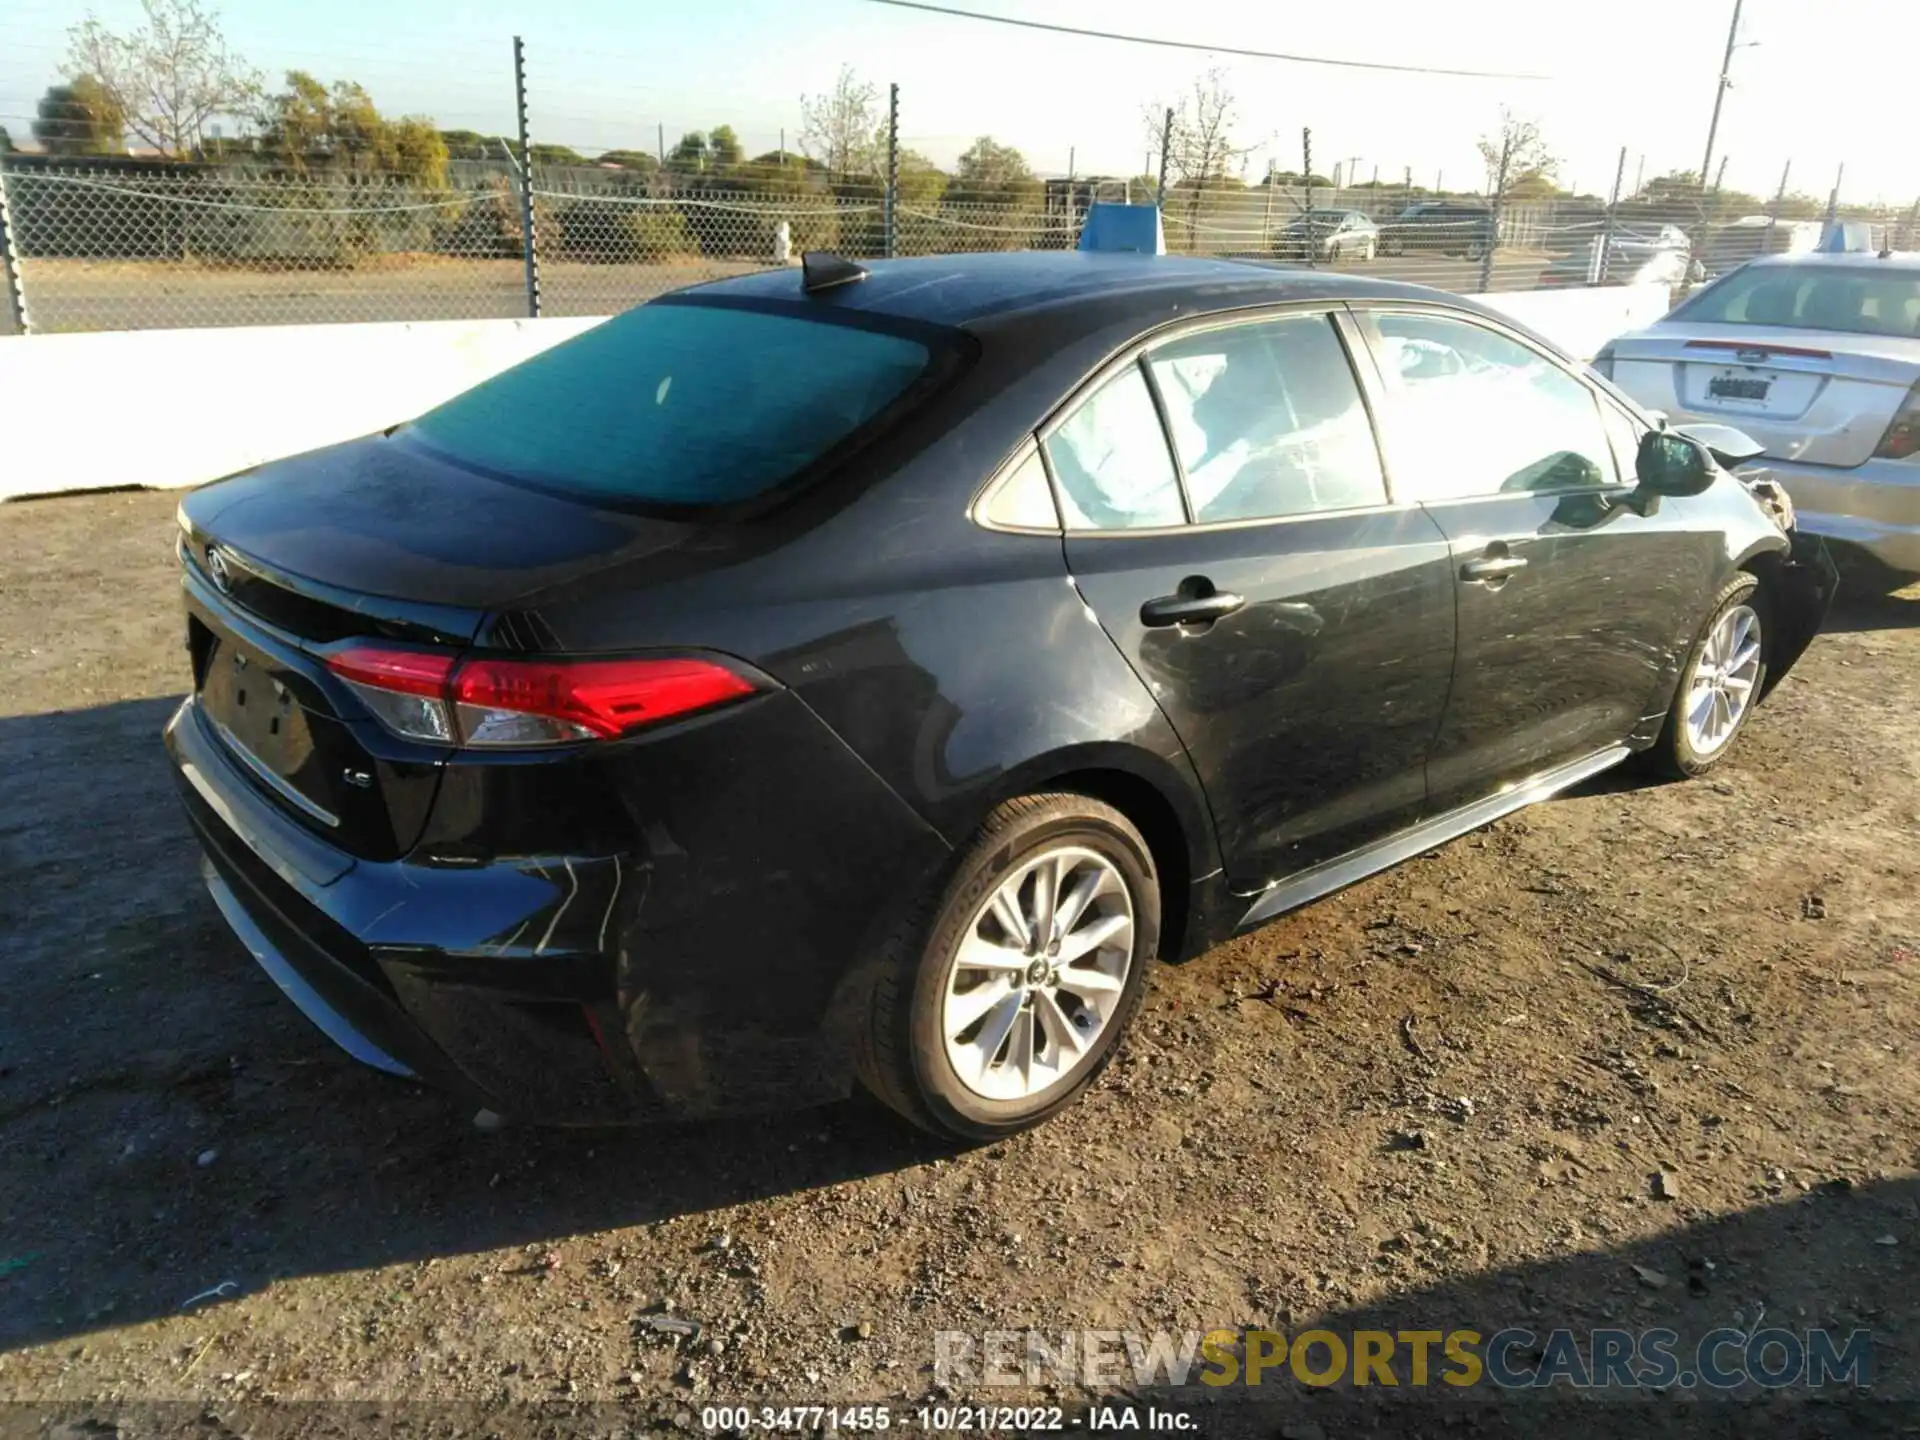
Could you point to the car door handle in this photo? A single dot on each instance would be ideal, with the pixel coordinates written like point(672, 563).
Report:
point(1189, 609)
point(1492, 567)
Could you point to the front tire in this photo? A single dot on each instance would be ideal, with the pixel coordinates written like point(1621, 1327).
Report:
point(1725, 673)
point(1010, 994)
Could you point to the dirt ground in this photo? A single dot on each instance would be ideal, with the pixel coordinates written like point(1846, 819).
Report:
point(1641, 1056)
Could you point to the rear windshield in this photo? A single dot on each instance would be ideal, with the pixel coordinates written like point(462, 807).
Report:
point(1811, 298)
point(676, 404)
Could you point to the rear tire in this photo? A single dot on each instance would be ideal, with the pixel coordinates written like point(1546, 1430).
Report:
point(980, 1026)
point(1719, 684)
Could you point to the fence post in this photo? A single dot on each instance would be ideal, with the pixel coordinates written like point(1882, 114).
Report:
point(16, 285)
point(1779, 198)
point(1605, 259)
point(529, 240)
point(1166, 143)
point(1499, 204)
point(1266, 228)
point(1306, 172)
point(893, 168)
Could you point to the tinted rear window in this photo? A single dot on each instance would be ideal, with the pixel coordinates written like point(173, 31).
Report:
point(675, 404)
point(1807, 297)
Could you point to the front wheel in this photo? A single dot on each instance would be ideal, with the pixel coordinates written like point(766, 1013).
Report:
point(1723, 677)
point(1007, 1002)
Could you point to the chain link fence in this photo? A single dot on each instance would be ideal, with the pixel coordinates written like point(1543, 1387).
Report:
point(136, 245)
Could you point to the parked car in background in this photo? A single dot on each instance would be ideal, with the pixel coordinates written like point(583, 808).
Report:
point(1444, 227)
point(838, 674)
point(1660, 254)
point(1329, 235)
point(1817, 356)
point(1728, 247)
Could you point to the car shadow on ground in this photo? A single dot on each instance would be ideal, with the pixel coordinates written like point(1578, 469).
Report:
point(171, 1123)
point(1873, 601)
point(1810, 1253)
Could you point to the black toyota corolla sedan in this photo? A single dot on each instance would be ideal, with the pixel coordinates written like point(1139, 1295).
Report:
point(832, 676)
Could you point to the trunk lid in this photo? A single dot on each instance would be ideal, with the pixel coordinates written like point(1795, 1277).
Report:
point(1823, 397)
point(372, 540)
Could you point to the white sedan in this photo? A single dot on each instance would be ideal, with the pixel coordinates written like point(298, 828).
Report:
point(1817, 357)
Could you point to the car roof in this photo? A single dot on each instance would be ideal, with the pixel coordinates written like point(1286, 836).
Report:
point(1906, 261)
point(964, 290)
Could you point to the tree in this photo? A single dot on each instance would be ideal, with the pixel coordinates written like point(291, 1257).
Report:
point(472, 145)
point(6, 141)
point(543, 154)
point(838, 128)
point(644, 161)
point(1530, 165)
point(724, 149)
point(80, 118)
point(308, 126)
point(170, 77)
point(994, 172)
point(922, 183)
point(1200, 149)
point(691, 155)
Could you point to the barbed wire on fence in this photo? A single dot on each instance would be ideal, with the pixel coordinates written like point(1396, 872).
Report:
point(109, 247)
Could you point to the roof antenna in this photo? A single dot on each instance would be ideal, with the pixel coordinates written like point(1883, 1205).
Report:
point(823, 270)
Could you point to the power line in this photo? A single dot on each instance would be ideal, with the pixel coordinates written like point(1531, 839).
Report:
point(1215, 49)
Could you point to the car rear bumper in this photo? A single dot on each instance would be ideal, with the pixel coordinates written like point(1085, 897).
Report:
point(1875, 506)
point(586, 989)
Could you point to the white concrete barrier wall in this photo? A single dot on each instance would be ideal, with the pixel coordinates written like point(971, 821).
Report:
point(174, 408)
point(131, 407)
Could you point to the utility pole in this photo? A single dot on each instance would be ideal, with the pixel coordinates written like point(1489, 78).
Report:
point(1640, 173)
point(1073, 154)
point(660, 138)
point(1720, 92)
point(1720, 175)
point(783, 147)
point(529, 241)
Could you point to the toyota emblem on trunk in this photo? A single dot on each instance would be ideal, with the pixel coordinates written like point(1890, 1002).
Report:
point(219, 569)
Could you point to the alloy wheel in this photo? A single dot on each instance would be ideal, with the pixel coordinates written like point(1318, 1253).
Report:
point(1724, 675)
point(1039, 974)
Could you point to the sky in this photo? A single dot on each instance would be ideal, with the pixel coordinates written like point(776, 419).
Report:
point(1817, 84)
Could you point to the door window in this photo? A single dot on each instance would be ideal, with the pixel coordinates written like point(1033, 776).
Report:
point(1476, 413)
point(1267, 420)
point(1110, 461)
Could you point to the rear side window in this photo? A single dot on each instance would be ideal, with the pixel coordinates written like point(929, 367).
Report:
point(1267, 420)
point(678, 405)
point(1812, 297)
point(1110, 460)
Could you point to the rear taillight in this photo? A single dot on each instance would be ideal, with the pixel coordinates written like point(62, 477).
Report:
point(513, 704)
point(1902, 440)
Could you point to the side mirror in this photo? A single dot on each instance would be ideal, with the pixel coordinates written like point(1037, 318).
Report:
point(1670, 463)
